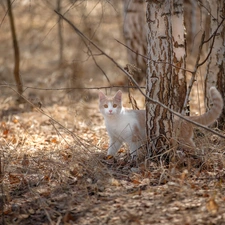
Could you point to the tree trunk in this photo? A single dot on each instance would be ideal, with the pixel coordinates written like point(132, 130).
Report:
point(196, 20)
point(215, 75)
point(60, 35)
point(16, 50)
point(165, 83)
point(135, 34)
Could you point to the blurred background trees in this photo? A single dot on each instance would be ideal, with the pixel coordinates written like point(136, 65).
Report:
point(16, 71)
point(135, 35)
point(52, 54)
point(215, 71)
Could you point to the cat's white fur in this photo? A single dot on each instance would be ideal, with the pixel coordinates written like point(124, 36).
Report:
point(123, 126)
point(129, 125)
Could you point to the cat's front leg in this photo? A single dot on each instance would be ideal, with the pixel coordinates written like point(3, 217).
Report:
point(134, 146)
point(114, 146)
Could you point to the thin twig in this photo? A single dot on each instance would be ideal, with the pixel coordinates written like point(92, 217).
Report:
point(134, 81)
point(211, 47)
point(197, 64)
point(52, 119)
point(92, 55)
point(99, 67)
point(208, 11)
point(71, 88)
point(177, 67)
point(48, 216)
point(131, 69)
point(193, 73)
point(214, 33)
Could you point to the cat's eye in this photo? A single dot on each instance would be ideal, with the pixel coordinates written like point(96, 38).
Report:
point(105, 106)
point(114, 105)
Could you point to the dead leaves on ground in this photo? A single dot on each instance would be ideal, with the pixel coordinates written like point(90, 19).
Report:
point(48, 176)
point(212, 206)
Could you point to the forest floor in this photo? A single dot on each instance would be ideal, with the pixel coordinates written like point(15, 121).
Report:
point(53, 166)
point(54, 171)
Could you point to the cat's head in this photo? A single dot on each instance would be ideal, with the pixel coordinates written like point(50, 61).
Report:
point(110, 106)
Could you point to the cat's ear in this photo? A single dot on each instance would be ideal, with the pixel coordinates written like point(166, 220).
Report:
point(101, 96)
point(118, 95)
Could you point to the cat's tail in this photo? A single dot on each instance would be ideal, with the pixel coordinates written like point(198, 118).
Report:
point(214, 113)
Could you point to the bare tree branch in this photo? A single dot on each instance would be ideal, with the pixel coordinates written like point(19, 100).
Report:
point(213, 36)
point(92, 55)
point(153, 60)
point(197, 64)
point(208, 11)
point(193, 73)
point(71, 88)
point(89, 49)
point(133, 80)
point(214, 33)
point(79, 140)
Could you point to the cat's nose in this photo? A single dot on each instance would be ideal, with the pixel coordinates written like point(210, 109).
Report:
point(110, 110)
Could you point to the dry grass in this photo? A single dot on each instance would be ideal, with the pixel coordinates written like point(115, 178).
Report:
point(53, 167)
point(57, 174)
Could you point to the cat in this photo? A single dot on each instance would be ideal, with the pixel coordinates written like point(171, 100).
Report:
point(183, 130)
point(123, 125)
point(128, 126)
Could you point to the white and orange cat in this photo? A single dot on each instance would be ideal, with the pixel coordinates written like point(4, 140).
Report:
point(183, 130)
point(123, 126)
point(128, 126)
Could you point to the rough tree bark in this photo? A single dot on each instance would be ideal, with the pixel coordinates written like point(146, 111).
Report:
point(215, 75)
point(165, 83)
point(16, 50)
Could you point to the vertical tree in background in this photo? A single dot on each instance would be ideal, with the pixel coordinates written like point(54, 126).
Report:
point(196, 22)
point(16, 50)
point(215, 75)
point(166, 81)
point(60, 35)
point(135, 34)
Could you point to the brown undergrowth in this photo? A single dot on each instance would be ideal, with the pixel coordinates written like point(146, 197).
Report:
point(53, 168)
point(54, 171)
